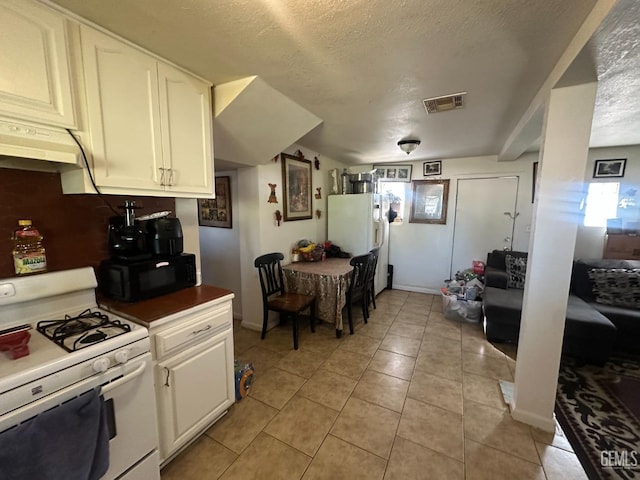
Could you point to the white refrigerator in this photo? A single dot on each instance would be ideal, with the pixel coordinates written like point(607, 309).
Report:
point(357, 223)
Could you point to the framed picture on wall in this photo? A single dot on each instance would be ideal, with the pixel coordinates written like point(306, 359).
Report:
point(393, 173)
point(432, 168)
point(216, 212)
point(296, 187)
point(609, 168)
point(429, 200)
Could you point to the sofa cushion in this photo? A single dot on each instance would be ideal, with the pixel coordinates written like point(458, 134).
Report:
point(616, 286)
point(497, 258)
point(582, 285)
point(587, 333)
point(627, 322)
point(516, 270)
point(503, 306)
point(495, 277)
point(584, 320)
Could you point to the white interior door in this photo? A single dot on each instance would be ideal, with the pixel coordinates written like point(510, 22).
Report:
point(485, 217)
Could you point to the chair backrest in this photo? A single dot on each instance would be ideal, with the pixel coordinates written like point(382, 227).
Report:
point(359, 276)
point(270, 273)
point(374, 262)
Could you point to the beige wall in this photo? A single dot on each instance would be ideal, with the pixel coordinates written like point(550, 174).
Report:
point(220, 249)
point(421, 253)
point(259, 232)
point(590, 241)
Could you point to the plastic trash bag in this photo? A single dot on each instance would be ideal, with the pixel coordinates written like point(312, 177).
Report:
point(455, 308)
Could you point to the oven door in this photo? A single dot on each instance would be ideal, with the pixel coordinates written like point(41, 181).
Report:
point(131, 407)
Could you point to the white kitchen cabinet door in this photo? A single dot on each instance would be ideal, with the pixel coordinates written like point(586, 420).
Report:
point(187, 141)
point(193, 389)
point(35, 83)
point(123, 113)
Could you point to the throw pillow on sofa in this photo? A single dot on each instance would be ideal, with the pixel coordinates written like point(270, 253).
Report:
point(516, 271)
point(616, 286)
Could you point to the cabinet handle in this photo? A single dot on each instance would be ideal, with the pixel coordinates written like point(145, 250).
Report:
point(198, 332)
point(161, 175)
point(166, 381)
point(171, 183)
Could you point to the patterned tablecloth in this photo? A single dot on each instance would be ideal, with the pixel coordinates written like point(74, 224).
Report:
point(327, 280)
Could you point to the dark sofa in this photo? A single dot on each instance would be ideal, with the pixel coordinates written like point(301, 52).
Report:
point(626, 318)
point(588, 335)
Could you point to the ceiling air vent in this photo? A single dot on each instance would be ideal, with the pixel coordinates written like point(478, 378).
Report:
point(444, 103)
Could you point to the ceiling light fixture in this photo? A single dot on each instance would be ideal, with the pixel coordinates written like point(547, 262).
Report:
point(408, 146)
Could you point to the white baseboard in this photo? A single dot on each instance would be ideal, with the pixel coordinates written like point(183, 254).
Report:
point(258, 326)
point(251, 326)
point(538, 421)
point(410, 288)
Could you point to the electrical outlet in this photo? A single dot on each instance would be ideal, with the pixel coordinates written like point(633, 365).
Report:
point(7, 290)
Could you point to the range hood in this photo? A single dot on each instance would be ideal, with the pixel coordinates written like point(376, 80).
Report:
point(24, 139)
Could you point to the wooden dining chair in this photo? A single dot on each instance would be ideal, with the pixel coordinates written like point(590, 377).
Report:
point(276, 299)
point(359, 286)
point(372, 274)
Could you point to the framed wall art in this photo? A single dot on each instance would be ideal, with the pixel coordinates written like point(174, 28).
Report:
point(609, 168)
point(296, 187)
point(432, 168)
point(429, 200)
point(393, 173)
point(216, 212)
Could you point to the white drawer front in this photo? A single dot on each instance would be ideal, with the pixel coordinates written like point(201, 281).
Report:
point(194, 328)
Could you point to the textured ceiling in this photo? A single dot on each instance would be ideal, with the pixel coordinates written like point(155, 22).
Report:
point(364, 66)
point(615, 52)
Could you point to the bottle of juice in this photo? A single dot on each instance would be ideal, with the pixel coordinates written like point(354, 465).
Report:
point(28, 250)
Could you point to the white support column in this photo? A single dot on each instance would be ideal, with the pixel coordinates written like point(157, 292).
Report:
point(250, 246)
point(556, 215)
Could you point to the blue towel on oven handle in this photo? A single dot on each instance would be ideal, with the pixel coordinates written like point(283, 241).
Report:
point(69, 442)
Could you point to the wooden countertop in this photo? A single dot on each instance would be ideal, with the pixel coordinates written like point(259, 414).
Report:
point(148, 311)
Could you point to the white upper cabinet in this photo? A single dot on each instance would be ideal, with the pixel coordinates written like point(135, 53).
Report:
point(185, 116)
point(35, 81)
point(149, 123)
point(123, 112)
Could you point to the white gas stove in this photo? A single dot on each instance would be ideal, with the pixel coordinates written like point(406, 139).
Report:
point(74, 347)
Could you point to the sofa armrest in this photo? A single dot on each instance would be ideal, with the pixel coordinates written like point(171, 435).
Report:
point(494, 277)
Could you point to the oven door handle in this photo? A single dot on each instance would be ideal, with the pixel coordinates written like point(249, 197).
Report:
point(127, 378)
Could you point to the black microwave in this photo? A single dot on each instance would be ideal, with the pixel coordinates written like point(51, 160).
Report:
point(134, 281)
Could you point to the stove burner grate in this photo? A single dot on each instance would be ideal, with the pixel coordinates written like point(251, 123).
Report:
point(75, 332)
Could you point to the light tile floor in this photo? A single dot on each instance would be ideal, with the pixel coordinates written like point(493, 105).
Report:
point(410, 395)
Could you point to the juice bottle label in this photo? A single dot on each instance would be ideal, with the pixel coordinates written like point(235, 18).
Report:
point(27, 233)
point(26, 263)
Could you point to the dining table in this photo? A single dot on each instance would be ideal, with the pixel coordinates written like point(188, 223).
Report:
point(328, 280)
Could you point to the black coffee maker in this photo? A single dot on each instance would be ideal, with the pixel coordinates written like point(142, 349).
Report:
point(126, 237)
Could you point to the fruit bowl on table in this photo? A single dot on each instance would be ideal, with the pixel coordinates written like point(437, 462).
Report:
point(314, 255)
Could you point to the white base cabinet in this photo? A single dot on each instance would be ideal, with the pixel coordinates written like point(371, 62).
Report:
point(193, 393)
point(193, 373)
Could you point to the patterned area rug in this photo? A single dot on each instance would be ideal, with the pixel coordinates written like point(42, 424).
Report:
point(599, 411)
